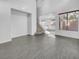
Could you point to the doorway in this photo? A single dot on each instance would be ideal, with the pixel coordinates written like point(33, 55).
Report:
point(20, 23)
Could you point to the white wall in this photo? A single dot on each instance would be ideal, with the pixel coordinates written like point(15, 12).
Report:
point(4, 22)
point(5, 14)
point(29, 24)
point(26, 6)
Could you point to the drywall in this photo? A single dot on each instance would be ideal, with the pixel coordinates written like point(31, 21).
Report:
point(26, 6)
point(4, 22)
point(29, 23)
point(72, 5)
point(5, 16)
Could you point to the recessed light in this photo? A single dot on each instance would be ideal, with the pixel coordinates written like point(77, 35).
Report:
point(23, 8)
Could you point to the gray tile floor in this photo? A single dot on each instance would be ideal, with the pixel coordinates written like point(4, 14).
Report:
point(40, 47)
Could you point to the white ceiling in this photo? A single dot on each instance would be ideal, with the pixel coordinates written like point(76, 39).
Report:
point(48, 6)
point(53, 5)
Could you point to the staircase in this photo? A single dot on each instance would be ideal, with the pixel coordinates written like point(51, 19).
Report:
point(40, 30)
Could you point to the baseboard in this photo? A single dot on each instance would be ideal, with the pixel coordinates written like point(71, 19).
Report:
point(21, 36)
point(65, 36)
point(6, 41)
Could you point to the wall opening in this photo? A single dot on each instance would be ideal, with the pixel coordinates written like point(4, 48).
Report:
point(20, 23)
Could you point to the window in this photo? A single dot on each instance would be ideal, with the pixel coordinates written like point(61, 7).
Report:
point(69, 21)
